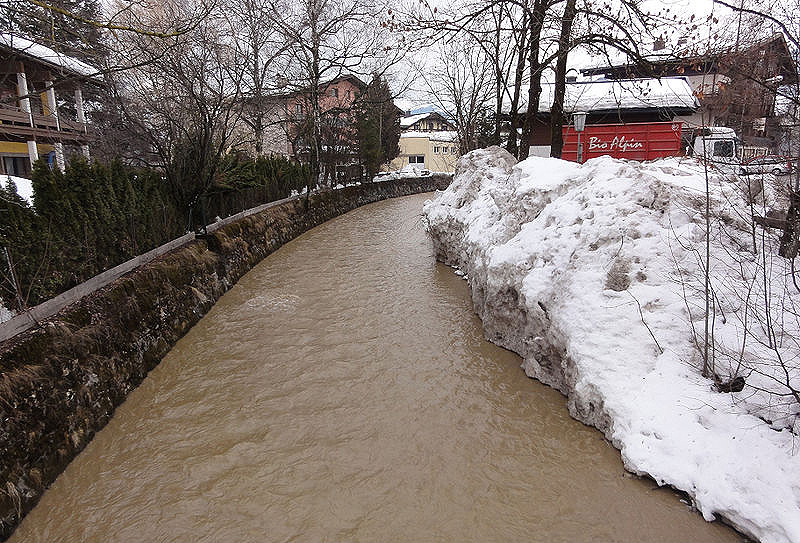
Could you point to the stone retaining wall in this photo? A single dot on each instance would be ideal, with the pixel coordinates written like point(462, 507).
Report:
point(60, 382)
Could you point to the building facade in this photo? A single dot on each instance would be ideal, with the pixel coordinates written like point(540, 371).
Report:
point(338, 135)
point(434, 151)
point(42, 110)
point(643, 100)
point(736, 87)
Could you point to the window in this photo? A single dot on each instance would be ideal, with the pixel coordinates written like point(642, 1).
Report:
point(298, 109)
point(723, 148)
point(335, 92)
point(436, 149)
point(430, 125)
point(14, 165)
point(416, 159)
point(347, 94)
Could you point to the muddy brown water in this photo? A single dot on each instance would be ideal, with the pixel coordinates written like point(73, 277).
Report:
point(342, 391)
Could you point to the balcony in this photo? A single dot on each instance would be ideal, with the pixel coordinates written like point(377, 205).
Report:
point(16, 124)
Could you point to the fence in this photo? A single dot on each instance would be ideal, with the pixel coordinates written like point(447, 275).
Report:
point(32, 316)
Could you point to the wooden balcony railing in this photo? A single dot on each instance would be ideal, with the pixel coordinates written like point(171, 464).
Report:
point(16, 123)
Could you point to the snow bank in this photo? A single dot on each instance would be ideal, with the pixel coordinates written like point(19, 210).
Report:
point(590, 272)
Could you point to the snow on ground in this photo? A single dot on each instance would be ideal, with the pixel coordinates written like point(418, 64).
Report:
point(593, 274)
point(24, 186)
point(409, 171)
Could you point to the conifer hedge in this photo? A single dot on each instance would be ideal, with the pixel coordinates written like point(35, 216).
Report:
point(97, 215)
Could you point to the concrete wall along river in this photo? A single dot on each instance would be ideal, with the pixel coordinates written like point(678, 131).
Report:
point(343, 391)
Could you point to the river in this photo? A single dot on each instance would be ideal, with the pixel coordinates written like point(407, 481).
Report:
point(342, 391)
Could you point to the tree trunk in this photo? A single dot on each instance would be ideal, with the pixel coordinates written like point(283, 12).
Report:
point(557, 111)
point(499, 83)
point(512, 147)
point(790, 241)
point(535, 70)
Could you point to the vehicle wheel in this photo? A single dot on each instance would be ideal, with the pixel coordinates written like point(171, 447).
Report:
point(776, 171)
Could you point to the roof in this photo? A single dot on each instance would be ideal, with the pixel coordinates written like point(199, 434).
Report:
point(442, 135)
point(60, 61)
point(354, 79)
point(639, 94)
point(685, 61)
point(406, 122)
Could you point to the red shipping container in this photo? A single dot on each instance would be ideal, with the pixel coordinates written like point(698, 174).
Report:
point(635, 141)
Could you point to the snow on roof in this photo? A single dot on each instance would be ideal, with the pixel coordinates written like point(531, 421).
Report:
point(410, 120)
point(443, 135)
point(47, 55)
point(682, 52)
point(618, 58)
point(667, 92)
point(24, 186)
point(405, 122)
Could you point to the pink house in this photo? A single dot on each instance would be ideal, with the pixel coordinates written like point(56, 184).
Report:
point(336, 123)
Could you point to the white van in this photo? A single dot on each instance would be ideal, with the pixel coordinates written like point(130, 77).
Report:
point(717, 144)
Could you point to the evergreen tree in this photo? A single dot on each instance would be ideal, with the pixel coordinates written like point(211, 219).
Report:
point(369, 142)
point(19, 235)
point(378, 126)
point(72, 34)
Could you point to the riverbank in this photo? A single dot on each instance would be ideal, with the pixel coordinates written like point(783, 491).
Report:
point(591, 273)
point(61, 382)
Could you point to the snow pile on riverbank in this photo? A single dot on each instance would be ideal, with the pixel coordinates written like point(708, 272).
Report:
point(593, 274)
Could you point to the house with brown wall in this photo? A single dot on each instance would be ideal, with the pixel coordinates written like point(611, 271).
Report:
point(335, 98)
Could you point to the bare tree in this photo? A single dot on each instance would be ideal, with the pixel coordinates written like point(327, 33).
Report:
point(523, 38)
point(327, 39)
point(259, 45)
point(181, 97)
point(767, 20)
point(461, 84)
